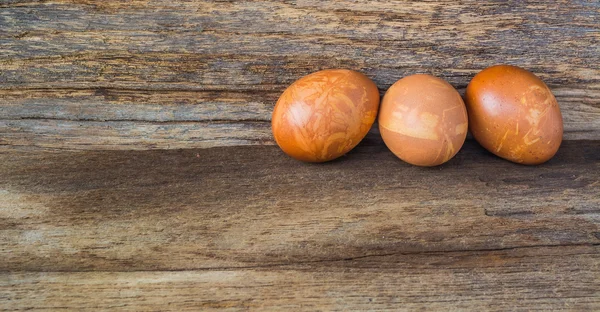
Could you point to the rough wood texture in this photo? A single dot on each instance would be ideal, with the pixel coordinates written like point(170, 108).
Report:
point(165, 74)
point(248, 227)
point(84, 226)
point(529, 279)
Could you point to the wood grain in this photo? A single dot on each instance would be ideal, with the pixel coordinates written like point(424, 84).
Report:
point(110, 199)
point(71, 69)
point(249, 228)
point(529, 279)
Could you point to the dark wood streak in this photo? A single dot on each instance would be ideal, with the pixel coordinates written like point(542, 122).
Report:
point(253, 205)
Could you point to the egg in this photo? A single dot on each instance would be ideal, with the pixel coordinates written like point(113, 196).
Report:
point(324, 115)
point(514, 115)
point(423, 120)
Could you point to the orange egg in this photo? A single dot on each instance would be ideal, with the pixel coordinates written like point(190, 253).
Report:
point(324, 115)
point(514, 115)
point(423, 120)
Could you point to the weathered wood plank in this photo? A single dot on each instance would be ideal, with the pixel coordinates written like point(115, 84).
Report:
point(578, 105)
point(134, 135)
point(163, 106)
point(230, 69)
point(524, 279)
point(207, 51)
point(450, 38)
point(248, 206)
point(137, 119)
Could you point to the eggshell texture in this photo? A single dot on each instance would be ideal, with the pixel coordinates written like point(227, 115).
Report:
point(514, 115)
point(423, 120)
point(324, 115)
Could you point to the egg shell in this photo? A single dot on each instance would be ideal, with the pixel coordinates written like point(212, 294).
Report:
point(324, 115)
point(423, 120)
point(513, 114)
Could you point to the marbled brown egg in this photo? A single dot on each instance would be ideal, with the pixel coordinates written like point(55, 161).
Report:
point(423, 120)
point(514, 115)
point(324, 115)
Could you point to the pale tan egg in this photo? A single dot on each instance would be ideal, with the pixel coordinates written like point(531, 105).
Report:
point(423, 120)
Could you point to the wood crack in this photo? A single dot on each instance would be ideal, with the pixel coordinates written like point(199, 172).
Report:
point(102, 90)
point(183, 121)
point(309, 262)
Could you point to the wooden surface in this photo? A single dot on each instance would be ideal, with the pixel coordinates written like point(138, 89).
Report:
point(169, 74)
point(109, 202)
point(247, 227)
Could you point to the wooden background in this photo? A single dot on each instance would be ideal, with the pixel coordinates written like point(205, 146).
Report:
point(109, 198)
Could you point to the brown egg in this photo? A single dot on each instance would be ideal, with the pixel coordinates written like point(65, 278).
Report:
point(423, 120)
point(324, 115)
point(514, 115)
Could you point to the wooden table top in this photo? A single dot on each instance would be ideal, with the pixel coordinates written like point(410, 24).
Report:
point(138, 169)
